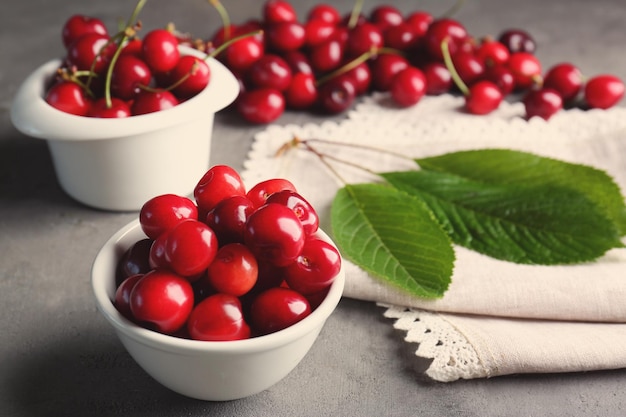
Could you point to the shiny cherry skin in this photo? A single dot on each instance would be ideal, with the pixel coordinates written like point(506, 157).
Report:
point(276, 309)
point(190, 248)
point(195, 74)
point(298, 62)
point(337, 95)
point(160, 50)
point(285, 36)
point(68, 97)
point(219, 317)
point(603, 91)
point(318, 31)
point(361, 75)
point(218, 183)
point(526, 69)
point(483, 98)
point(438, 78)
point(364, 38)
point(302, 92)
point(517, 40)
point(270, 71)
point(274, 234)
point(162, 300)
point(469, 66)
point(156, 256)
point(234, 270)
point(92, 51)
point(78, 25)
point(408, 87)
point(161, 213)
point(315, 268)
point(386, 16)
point(153, 101)
point(566, 79)
point(326, 56)
point(122, 295)
point(544, 103)
point(260, 106)
point(492, 53)
point(384, 67)
point(228, 218)
point(440, 30)
point(240, 55)
point(129, 74)
point(116, 109)
point(420, 22)
point(401, 37)
point(303, 210)
point(262, 190)
point(324, 12)
point(276, 11)
point(134, 261)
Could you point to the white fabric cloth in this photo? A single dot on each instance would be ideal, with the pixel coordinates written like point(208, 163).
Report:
point(497, 317)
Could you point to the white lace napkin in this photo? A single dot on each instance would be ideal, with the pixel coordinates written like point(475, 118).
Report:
point(497, 317)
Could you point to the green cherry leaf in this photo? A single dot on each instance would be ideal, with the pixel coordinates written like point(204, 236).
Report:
point(394, 237)
point(531, 223)
point(504, 166)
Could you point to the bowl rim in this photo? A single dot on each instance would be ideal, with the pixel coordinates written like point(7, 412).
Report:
point(31, 115)
point(111, 250)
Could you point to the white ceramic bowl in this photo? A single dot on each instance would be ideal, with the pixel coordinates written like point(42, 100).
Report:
point(118, 164)
point(215, 371)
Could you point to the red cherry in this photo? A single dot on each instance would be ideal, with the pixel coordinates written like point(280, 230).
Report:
point(492, 53)
point(438, 78)
point(440, 30)
point(303, 210)
point(324, 12)
point(315, 269)
point(190, 248)
point(274, 234)
point(386, 16)
point(401, 37)
point(68, 97)
point(129, 74)
point(194, 72)
point(285, 36)
point(160, 50)
point(92, 51)
point(337, 94)
point(326, 56)
point(502, 77)
point(566, 79)
point(270, 71)
point(469, 66)
point(161, 213)
point(278, 308)
point(153, 101)
point(162, 299)
point(420, 22)
point(275, 11)
point(218, 183)
point(526, 69)
point(263, 105)
point(543, 103)
point(134, 261)
point(408, 86)
point(122, 295)
point(262, 190)
point(298, 62)
point(604, 91)
point(240, 55)
point(302, 92)
point(517, 40)
point(234, 270)
point(115, 110)
point(483, 98)
point(218, 317)
point(156, 258)
point(228, 218)
point(79, 25)
point(364, 38)
point(318, 31)
point(384, 67)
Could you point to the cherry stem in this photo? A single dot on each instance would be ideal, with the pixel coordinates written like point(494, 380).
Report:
point(356, 12)
point(229, 42)
point(374, 51)
point(224, 16)
point(447, 59)
point(455, 8)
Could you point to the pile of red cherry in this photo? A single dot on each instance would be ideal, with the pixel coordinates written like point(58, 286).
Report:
point(121, 75)
point(327, 60)
point(232, 264)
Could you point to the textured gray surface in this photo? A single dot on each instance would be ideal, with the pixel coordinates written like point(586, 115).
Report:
point(58, 356)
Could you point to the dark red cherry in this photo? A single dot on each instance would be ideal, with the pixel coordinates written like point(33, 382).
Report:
point(129, 74)
point(153, 101)
point(262, 105)
point(502, 77)
point(285, 36)
point(275, 11)
point(420, 22)
point(440, 30)
point(364, 38)
point(386, 16)
point(324, 12)
point(270, 71)
point(408, 87)
point(337, 94)
point(543, 103)
point(384, 67)
point(326, 56)
point(438, 78)
point(518, 40)
point(469, 66)
point(302, 91)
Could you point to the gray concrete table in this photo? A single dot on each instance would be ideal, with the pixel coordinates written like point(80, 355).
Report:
point(58, 356)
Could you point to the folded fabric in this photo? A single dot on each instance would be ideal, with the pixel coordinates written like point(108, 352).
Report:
point(508, 318)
